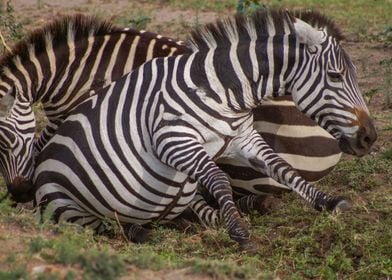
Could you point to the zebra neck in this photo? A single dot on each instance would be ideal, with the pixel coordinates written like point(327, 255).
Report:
point(279, 65)
point(221, 75)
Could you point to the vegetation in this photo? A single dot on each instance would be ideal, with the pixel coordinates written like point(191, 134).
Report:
point(296, 242)
point(10, 24)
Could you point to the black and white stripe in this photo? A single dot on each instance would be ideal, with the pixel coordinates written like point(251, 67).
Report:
point(59, 64)
point(138, 149)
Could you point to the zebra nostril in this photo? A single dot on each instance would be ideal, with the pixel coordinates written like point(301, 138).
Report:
point(366, 140)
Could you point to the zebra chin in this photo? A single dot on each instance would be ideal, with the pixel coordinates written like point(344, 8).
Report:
point(21, 190)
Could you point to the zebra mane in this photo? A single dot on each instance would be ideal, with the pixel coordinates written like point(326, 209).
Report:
point(80, 26)
point(242, 27)
point(318, 20)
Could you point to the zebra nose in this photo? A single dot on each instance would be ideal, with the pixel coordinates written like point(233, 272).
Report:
point(362, 142)
point(366, 136)
point(21, 190)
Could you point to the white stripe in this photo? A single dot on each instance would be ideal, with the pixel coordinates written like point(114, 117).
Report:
point(52, 62)
point(131, 57)
point(150, 49)
point(71, 59)
point(26, 76)
point(297, 131)
point(38, 68)
point(270, 55)
point(210, 73)
point(245, 86)
point(11, 76)
point(77, 74)
point(311, 164)
point(280, 103)
point(97, 61)
point(113, 59)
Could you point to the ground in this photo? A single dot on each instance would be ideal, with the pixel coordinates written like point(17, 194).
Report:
point(296, 241)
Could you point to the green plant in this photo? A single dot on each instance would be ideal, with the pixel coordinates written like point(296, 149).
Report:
point(101, 264)
point(249, 6)
point(38, 243)
point(140, 22)
point(18, 273)
point(387, 66)
point(370, 94)
point(387, 154)
point(8, 21)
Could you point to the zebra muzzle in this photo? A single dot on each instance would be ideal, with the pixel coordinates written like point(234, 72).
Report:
point(361, 144)
point(21, 190)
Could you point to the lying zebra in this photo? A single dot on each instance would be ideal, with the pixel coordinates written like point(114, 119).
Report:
point(139, 148)
point(58, 65)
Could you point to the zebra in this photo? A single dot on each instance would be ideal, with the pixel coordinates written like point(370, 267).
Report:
point(43, 69)
point(138, 148)
point(57, 66)
point(16, 112)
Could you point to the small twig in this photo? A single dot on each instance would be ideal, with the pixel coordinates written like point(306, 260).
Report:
point(4, 43)
point(120, 226)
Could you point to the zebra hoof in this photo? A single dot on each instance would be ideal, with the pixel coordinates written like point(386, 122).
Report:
point(342, 206)
point(249, 246)
point(334, 204)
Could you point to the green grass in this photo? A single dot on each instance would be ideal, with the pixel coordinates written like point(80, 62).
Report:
point(365, 19)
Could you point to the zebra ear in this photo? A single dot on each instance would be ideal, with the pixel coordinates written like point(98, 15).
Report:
point(306, 33)
point(6, 104)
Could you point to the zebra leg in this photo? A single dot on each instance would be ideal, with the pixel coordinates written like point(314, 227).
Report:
point(218, 185)
point(254, 151)
point(197, 164)
point(137, 233)
point(261, 203)
point(207, 215)
point(212, 217)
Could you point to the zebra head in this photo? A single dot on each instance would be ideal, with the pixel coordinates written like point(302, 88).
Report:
point(325, 88)
point(17, 129)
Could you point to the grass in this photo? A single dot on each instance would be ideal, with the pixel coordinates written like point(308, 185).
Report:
point(362, 18)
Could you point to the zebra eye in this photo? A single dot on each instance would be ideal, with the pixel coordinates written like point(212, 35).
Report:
point(335, 77)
